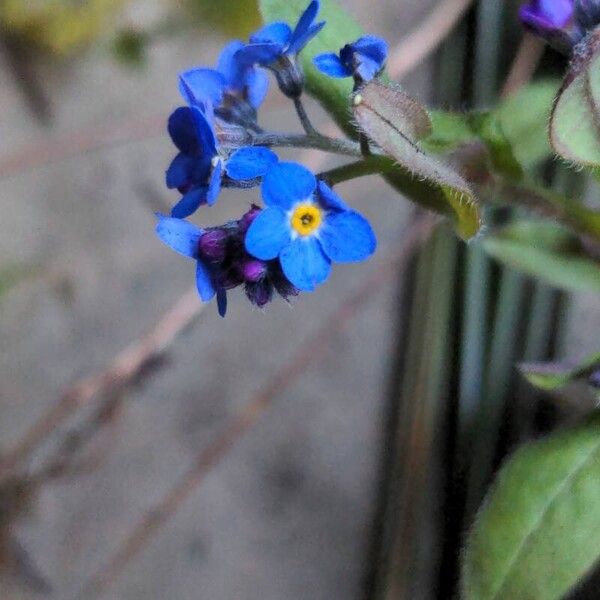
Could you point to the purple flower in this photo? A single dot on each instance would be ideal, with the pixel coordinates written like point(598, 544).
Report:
point(554, 21)
point(222, 262)
point(362, 59)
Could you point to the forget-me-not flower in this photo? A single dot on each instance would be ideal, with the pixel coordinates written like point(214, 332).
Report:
point(236, 88)
point(198, 170)
point(554, 21)
point(276, 46)
point(307, 226)
point(362, 59)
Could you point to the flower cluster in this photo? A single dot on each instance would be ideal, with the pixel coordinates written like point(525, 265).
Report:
point(291, 244)
point(562, 23)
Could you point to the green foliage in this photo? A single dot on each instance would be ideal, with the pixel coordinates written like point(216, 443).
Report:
point(523, 119)
point(553, 376)
point(538, 533)
point(575, 121)
point(334, 95)
point(129, 47)
point(547, 251)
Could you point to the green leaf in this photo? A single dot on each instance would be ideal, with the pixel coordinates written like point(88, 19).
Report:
point(575, 120)
point(538, 533)
point(335, 94)
point(546, 251)
point(524, 121)
point(552, 376)
point(452, 130)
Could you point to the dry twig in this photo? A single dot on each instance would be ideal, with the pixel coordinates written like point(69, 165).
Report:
point(524, 65)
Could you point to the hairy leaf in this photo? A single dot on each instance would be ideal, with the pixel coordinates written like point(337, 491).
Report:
point(548, 252)
point(575, 120)
point(335, 94)
point(524, 117)
point(538, 533)
point(552, 376)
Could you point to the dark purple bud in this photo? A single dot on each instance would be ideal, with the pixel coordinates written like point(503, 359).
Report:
point(284, 288)
point(259, 294)
point(213, 245)
point(253, 270)
point(595, 379)
point(247, 219)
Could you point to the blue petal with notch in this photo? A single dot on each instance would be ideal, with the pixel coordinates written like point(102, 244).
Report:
point(274, 33)
point(347, 237)
point(180, 171)
point(287, 183)
point(190, 202)
point(304, 263)
point(181, 236)
point(329, 199)
point(182, 129)
point(199, 85)
point(268, 234)
point(331, 65)
point(250, 162)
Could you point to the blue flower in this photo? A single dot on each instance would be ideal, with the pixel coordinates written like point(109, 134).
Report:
point(277, 39)
point(307, 226)
point(198, 170)
point(362, 59)
point(234, 83)
point(184, 238)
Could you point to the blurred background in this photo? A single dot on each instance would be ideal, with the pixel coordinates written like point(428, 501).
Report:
point(330, 482)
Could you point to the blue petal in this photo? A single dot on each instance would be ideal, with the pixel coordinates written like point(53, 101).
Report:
point(180, 171)
point(304, 263)
point(204, 283)
point(258, 86)
point(329, 199)
point(268, 234)
point(372, 47)
point(347, 237)
point(287, 183)
point(214, 185)
point(198, 85)
point(273, 33)
point(205, 131)
point(331, 65)
point(228, 65)
point(182, 130)
point(222, 302)
point(299, 42)
point(190, 202)
point(306, 20)
point(367, 68)
point(181, 236)
point(262, 54)
point(250, 162)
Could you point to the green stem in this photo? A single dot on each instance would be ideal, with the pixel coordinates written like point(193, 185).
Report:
point(353, 170)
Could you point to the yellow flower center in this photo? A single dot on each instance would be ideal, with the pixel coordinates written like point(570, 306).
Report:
point(306, 218)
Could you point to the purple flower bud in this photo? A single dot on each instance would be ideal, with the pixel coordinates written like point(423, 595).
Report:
point(253, 270)
point(553, 20)
point(213, 245)
point(247, 219)
point(595, 379)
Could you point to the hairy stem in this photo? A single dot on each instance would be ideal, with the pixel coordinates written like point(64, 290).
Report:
point(360, 168)
point(304, 118)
